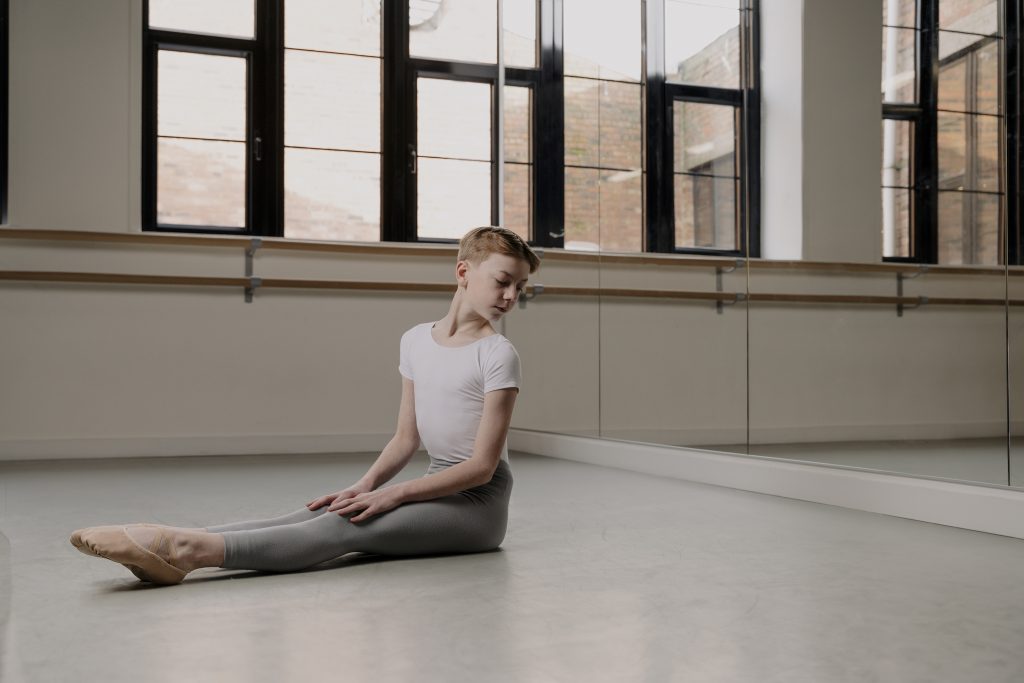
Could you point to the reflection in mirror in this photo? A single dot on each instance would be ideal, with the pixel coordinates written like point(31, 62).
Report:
point(898, 367)
point(559, 336)
point(1015, 353)
point(672, 358)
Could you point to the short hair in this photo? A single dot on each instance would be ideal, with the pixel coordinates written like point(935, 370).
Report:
point(479, 243)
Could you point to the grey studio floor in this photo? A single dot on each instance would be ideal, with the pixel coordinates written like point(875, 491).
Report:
point(605, 575)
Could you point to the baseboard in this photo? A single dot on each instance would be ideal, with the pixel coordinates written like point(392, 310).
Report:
point(771, 435)
point(991, 509)
point(158, 446)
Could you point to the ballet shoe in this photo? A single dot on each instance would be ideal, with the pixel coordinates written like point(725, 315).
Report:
point(76, 536)
point(114, 543)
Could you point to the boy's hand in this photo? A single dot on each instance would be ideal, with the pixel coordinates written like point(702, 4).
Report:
point(370, 503)
point(337, 496)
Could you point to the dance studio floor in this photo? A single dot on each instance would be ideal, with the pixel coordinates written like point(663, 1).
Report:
point(605, 575)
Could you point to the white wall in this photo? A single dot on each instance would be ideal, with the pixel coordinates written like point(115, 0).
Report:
point(75, 114)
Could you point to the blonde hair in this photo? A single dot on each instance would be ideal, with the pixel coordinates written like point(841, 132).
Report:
point(479, 243)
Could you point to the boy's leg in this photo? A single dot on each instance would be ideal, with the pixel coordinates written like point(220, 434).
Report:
point(470, 521)
point(301, 515)
point(454, 524)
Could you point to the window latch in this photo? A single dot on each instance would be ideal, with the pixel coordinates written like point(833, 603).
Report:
point(258, 148)
point(412, 159)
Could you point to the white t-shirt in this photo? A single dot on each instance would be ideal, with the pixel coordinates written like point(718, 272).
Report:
point(450, 384)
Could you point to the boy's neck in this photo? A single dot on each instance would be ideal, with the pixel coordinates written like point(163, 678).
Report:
point(467, 327)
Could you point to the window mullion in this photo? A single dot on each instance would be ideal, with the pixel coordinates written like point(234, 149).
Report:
point(659, 198)
point(926, 136)
point(549, 140)
point(398, 216)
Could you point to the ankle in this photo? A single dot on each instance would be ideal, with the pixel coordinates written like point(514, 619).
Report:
point(200, 549)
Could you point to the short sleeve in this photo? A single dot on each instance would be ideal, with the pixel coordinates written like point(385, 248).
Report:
point(502, 369)
point(404, 367)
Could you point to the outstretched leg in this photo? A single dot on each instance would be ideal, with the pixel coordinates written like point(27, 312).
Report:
point(469, 521)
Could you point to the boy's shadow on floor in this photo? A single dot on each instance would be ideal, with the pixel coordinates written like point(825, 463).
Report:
point(348, 560)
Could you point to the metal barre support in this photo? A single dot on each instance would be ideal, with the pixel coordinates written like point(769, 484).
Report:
point(719, 271)
point(900, 277)
point(524, 297)
point(250, 253)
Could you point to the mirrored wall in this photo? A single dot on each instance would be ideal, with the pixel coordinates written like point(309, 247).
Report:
point(817, 349)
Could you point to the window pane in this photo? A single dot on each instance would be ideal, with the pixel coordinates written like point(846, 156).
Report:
point(602, 44)
point(582, 209)
point(969, 228)
point(951, 228)
point(351, 26)
point(899, 13)
point(705, 212)
point(987, 80)
point(331, 195)
point(332, 101)
point(201, 96)
point(621, 125)
point(622, 211)
point(896, 212)
point(951, 43)
point(518, 199)
point(953, 85)
point(519, 24)
point(702, 44)
point(603, 210)
point(452, 197)
point(970, 16)
point(986, 153)
point(952, 150)
point(200, 183)
point(518, 127)
point(454, 119)
point(987, 216)
point(899, 65)
point(465, 30)
point(969, 152)
point(581, 131)
point(235, 18)
point(896, 153)
point(704, 138)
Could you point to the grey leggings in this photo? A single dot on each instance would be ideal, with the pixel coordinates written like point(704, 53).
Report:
point(469, 521)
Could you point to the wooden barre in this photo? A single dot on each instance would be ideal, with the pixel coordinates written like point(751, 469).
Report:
point(351, 285)
point(405, 249)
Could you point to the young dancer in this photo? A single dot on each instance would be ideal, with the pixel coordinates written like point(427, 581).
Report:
point(460, 380)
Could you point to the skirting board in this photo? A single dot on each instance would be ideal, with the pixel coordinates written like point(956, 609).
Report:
point(163, 446)
point(991, 509)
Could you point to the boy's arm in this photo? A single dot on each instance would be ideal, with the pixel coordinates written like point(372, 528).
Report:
point(478, 470)
point(403, 445)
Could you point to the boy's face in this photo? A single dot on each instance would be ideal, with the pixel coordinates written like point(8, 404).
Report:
point(493, 285)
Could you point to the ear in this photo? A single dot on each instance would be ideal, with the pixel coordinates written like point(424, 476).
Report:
point(462, 272)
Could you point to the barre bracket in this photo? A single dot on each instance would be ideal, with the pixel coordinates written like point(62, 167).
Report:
point(719, 271)
point(524, 297)
point(900, 277)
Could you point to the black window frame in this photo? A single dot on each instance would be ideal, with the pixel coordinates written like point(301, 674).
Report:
point(923, 115)
point(264, 142)
point(265, 180)
point(662, 94)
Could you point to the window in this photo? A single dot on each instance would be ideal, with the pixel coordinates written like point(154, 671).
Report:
point(369, 120)
point(947, 163)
